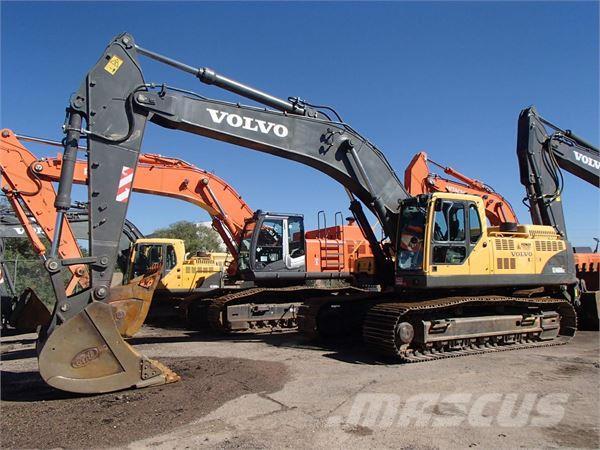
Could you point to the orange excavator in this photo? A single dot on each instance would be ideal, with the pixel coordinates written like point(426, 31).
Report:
point(338, 252)
point(419, 179)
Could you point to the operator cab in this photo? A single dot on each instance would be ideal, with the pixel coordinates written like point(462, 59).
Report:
point(145, 255)
point(436, 232)
point(272, 247)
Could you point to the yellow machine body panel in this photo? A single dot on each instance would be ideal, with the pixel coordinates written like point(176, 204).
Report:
point(197, 269)
point(459, 249)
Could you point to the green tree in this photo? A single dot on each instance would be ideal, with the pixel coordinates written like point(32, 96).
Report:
point(196, 238)
point(25, 267)
point(30, 271)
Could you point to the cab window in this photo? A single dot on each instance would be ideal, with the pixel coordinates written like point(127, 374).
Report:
point(412, 230)
point(474, 224)
point(295, 237)
point(456, 222)
point(146, 255)
point(244, 250)
point(449, 234)
point(269, 246)
point(171, 260)
point(440, 227)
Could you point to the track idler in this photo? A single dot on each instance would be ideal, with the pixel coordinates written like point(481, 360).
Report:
point(87, 353)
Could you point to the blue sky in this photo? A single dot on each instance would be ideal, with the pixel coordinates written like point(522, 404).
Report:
point(447, 78)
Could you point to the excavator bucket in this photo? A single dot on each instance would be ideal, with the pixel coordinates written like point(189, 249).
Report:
point(87, 354)
point(29, 313)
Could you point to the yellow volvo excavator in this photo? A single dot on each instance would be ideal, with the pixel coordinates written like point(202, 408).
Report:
point(447, 284)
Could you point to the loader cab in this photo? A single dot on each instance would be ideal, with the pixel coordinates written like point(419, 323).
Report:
point(146, 253)
point(272, 247)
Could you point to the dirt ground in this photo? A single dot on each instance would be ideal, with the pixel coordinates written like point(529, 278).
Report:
point(279, 391)
point(70, 421)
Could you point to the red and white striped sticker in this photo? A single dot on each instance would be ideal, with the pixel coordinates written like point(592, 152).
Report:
point(125, 184)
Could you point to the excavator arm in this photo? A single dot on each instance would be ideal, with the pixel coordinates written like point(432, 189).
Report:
point(542, 155)
point(111, 109)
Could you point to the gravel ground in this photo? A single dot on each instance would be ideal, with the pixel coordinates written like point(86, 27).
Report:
point(279, 391)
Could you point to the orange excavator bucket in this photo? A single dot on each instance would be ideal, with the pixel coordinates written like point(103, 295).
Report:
point(87, 353)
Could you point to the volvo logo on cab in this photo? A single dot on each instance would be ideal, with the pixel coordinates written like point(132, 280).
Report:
point(247, 123)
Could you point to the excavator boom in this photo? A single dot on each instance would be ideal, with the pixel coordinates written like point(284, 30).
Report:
point(542, 155)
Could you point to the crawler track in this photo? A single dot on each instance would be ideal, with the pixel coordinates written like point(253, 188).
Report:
point(381, 322)
point(290, 297)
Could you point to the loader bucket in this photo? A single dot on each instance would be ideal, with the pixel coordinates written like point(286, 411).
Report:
point(87, 354)
point(29, 313)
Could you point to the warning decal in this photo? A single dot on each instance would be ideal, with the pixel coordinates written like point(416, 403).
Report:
point(113, 65)
point(124, 184)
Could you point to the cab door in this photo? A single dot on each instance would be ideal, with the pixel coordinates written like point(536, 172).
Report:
point(295, 252)
point(450, 244)
point(478, 250)
point(269, 245)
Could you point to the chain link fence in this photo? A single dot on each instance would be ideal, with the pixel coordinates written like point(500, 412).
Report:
point(30, 273)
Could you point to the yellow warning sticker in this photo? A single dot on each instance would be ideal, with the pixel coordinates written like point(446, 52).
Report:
point(113, 65)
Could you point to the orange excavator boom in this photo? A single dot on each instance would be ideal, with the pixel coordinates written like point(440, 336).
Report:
point(418, 179)
point(30, 179)
point(175, 178)
point(24, 189)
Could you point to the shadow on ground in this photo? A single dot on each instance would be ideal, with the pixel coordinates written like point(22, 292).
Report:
point(35, 415)
point(27, 387)
point(349, 350)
